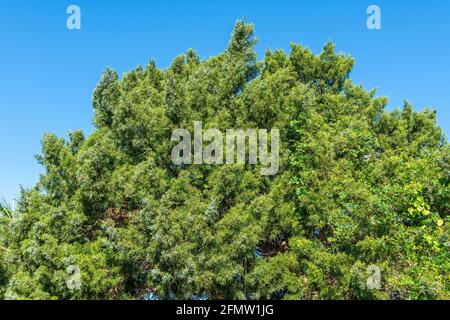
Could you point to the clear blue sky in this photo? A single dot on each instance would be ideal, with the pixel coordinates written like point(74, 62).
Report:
point(48, 72)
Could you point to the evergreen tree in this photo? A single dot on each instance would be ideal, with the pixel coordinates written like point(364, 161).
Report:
point(359, 187)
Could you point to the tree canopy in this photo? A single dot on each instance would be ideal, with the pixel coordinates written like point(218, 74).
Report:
point(358, 186)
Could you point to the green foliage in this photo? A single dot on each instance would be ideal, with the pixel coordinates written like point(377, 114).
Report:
point(358, 186)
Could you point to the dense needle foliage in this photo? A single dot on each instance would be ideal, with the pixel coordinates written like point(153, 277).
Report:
point(358, 186)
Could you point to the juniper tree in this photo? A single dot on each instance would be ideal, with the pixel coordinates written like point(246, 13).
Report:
point(358, 186)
